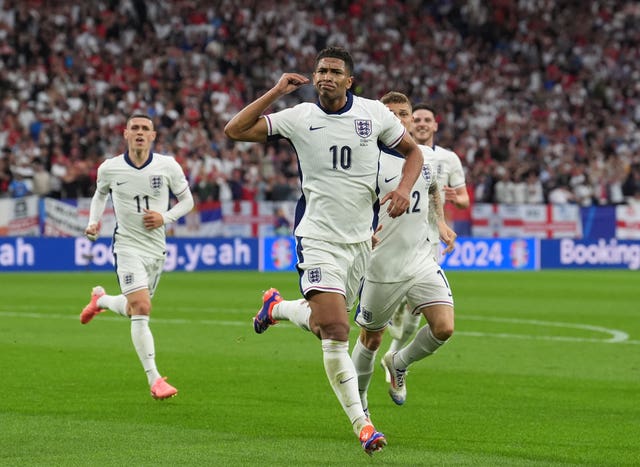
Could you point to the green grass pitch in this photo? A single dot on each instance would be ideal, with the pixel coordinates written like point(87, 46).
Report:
point(544, 369)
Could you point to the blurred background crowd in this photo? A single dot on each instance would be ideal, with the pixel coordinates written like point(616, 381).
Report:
point(539, 98)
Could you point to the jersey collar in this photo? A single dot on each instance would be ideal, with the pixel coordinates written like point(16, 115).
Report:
point(344, 109)
point(128, 160)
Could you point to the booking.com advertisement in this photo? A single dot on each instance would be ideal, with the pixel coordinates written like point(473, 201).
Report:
point(279, 254)
point(592, 254)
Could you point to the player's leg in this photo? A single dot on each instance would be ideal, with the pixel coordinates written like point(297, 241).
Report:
point(363, 356)
point(141, 336)
point(377, 303)
point(146, 274)
point(329, 318)
point(394, 329)
point(408, 323)
point(296, 311)
point(330, 279)
point(431, 296)
point(430, 337)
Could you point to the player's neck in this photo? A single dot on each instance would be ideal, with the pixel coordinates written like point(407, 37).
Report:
point(138, 157)
point(333, 104)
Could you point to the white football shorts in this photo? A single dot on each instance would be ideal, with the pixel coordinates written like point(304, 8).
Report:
point(379, 300)
point(138, 272)
point(332, 267)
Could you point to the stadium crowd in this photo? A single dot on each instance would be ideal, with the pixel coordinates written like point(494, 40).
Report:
point(539, 98)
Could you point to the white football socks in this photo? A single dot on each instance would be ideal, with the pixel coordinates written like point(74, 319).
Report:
point(363, 361)
point(296, 311)
point(143, 343)
point(115, 303)
point(423, 345)
point(344, 381)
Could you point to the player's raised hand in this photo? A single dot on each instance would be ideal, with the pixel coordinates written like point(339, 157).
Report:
point(289, 82)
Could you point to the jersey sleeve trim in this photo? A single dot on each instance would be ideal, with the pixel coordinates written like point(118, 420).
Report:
point(397, 140)
point(269, 125)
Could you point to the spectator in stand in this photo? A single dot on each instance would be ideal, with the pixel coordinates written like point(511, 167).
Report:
point(561, 194)
point(280, 190)
point(19, 187)
point(631, 186)
point(503, 188)
point(5, 177)
point(236, 183)
point(281, 225)
point(41, 179)
point(534, 188)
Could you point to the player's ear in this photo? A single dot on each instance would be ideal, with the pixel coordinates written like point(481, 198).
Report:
point(350, 82)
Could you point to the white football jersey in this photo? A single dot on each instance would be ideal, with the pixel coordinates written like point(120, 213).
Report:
point(338, 161)
point(134, 189)
point(404, 244)
point(449, 172)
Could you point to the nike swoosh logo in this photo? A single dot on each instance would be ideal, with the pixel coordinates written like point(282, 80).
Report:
point(387, 180)
point(120, 183)
point(344, 381)
point(313, 128)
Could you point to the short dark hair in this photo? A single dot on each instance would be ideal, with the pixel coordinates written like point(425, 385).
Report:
point(395, 97)
point(336, 52)
point(424, 106)
point(139, 115)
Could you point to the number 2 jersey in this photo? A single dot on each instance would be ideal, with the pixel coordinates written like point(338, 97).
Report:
point(134, 189)
point(404, 244)
point(338, 156)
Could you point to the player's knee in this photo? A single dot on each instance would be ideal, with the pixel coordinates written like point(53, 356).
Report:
point(335, 331)
point(371, 340)
point(140, 307)
point(442, 331)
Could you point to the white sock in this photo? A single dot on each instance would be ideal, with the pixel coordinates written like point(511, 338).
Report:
point(115, 303)
point(409, 325)
point(143, 343)
point(296, 311)
point(423, 345)
point(363, 361)
point(343, 379)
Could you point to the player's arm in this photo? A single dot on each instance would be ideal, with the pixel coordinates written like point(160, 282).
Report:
point(458, 196)
point(399, 198)
point(98, 203)
point(154, 219)
point(247, 125)
point(436, 211)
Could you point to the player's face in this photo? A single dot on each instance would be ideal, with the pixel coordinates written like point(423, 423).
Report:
point(424, 126)
point(331, 78)
point(403, 112)
point(139, 133)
